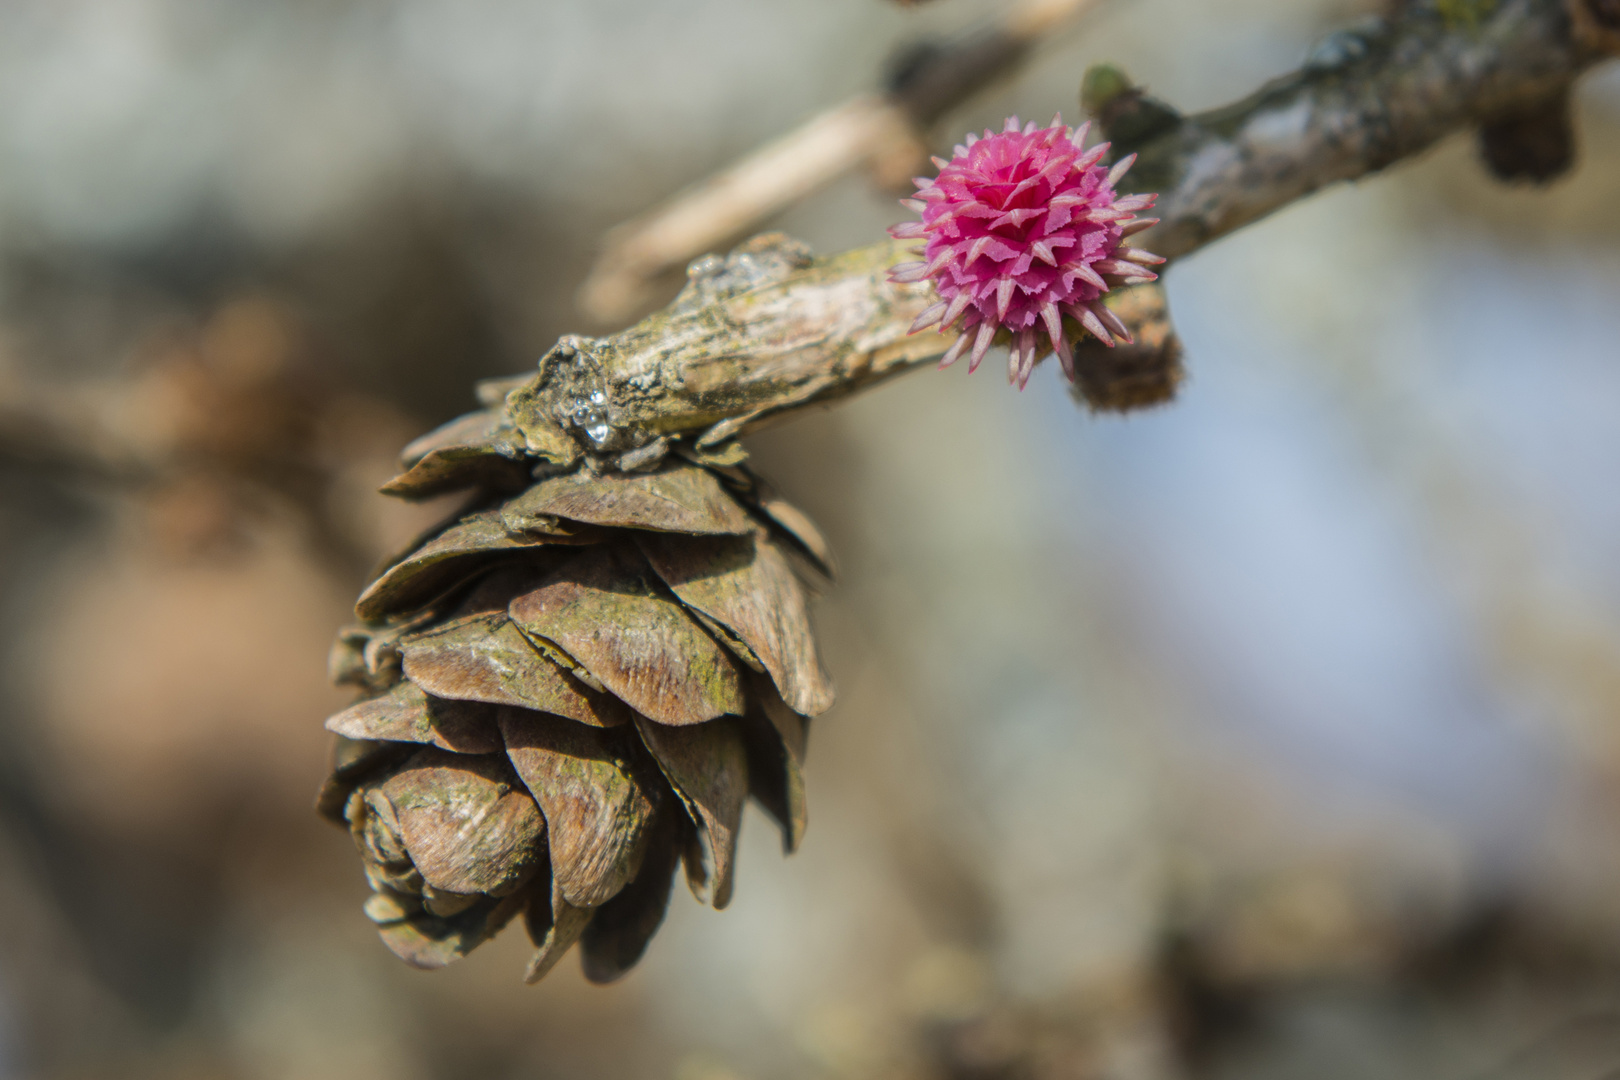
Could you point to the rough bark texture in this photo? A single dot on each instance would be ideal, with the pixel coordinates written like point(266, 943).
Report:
point(1368, 97)
point(769, 330)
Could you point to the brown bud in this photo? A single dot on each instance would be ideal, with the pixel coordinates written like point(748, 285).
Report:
point(1139, 375)
point(1535, 144)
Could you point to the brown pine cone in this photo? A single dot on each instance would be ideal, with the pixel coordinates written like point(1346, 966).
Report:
point(570, 688)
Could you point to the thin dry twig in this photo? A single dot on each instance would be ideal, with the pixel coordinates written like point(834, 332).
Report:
point(769, 331)
point(878, 130)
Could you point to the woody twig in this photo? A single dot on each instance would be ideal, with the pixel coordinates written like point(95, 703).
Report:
point(769, 331)
point(882, 131)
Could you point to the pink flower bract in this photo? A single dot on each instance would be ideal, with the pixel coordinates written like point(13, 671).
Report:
point(1023, 229)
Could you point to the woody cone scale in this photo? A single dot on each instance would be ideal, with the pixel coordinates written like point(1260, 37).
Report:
point(568, 692)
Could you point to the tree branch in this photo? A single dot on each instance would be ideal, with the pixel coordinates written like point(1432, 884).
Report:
point(768, 331)
point(883, 131)
point(1368, 98)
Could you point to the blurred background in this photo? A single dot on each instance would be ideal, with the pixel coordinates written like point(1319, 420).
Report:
point(1272, 734)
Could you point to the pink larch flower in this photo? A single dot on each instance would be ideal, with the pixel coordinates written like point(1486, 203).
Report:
point(1024, 228)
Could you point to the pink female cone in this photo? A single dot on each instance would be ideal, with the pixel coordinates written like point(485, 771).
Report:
point(1024, 228)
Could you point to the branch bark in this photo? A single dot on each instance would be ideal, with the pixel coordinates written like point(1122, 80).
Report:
point(768, 331)
point(1368, 98)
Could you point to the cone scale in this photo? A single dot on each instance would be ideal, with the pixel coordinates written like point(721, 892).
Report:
point(568, 693)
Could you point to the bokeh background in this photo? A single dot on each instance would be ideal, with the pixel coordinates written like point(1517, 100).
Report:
point(1272, 734)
